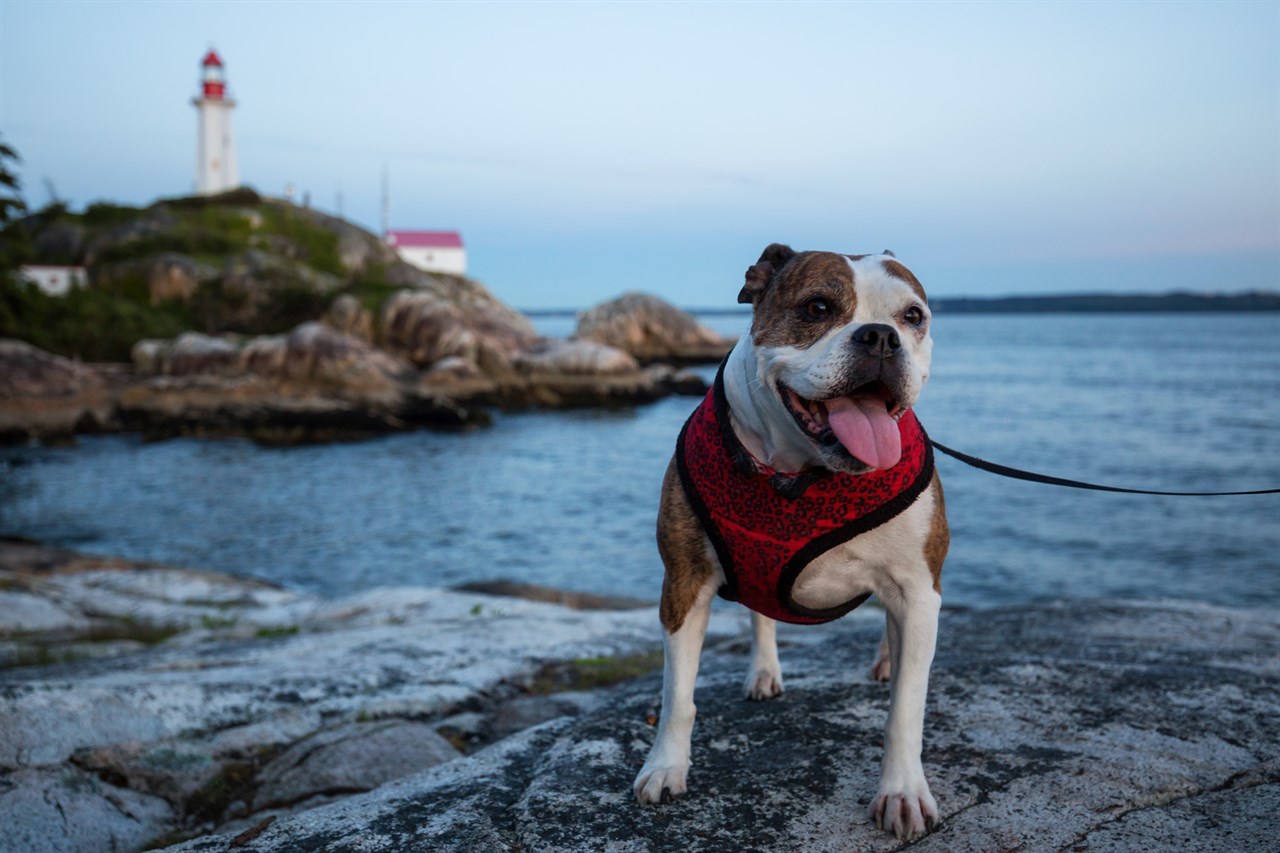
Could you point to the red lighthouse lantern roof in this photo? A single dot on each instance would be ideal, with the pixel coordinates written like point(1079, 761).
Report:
point(211, 58)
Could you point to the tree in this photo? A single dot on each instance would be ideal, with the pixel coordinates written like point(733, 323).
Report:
point(15, 242)
point(11, 203)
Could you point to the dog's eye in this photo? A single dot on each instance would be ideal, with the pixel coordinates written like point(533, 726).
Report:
point(914, 316)
point(817, 309)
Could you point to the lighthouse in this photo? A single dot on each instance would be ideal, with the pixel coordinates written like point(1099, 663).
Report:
point(215, 145)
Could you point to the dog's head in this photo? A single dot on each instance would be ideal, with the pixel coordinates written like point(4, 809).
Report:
point(843, 344)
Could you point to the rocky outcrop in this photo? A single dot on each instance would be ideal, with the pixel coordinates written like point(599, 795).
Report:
point(348, 316)
point(651, 329)
point(189, 353)
point(234, 701)
point(359, 251)
point(259, 714)
point(312, 351)
point(454, 318)
point(171, 276)
point(441, 351)
point(314, 384)
point(1107, 727)
point(248, 275)
point(45, 396)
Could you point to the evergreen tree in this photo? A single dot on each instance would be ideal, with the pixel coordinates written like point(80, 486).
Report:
point(15, 241)
point(11, 203)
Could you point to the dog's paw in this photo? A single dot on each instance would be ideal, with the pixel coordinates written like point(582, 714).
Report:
point(660, 784)
point(908, 812)
point(882, 668)
point(763, 683)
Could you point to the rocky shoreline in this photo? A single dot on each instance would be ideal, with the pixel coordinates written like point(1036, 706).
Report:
point(142, 705)
point(320, 383)
point(248, 316)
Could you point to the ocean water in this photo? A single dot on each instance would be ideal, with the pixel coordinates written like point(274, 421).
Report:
point(568, 499)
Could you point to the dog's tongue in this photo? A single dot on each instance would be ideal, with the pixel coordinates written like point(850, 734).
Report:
point(865, 429)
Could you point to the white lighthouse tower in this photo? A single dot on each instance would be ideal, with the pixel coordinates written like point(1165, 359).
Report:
point(216, 169)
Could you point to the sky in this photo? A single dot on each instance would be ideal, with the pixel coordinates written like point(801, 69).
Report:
point(587, 149)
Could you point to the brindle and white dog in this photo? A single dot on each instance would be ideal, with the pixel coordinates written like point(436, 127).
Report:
point(838, 351)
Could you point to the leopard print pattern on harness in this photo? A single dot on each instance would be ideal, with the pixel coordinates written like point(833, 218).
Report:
point(766, 526)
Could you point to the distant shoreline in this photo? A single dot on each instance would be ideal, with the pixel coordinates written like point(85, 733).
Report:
point(1084, 303)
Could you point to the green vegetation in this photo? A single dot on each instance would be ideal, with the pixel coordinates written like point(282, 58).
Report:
point(102, 214)
point(73, 648)
point(242, 263)
point(255, 266)
point(199, 232)
point(92, 325)
point(316, 245)
point(234, 784)
point(283, 631)
point(11, 203)
point(594, 673)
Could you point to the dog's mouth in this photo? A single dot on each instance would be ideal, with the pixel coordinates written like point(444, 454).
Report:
point(864, 422)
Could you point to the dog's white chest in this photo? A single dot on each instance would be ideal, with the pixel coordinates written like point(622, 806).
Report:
point(869, 562)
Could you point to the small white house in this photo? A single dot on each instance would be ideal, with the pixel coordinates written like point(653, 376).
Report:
point(53, 280)
point(433, 251)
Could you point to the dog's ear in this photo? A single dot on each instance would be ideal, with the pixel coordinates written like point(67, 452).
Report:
point(772, 259)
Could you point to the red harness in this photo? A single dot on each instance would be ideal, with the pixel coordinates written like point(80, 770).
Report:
point(766, 526)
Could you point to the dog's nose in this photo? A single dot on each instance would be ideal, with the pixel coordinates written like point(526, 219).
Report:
point(878, 339)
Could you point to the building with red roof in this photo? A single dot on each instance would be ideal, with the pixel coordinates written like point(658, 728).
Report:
point(433, 251)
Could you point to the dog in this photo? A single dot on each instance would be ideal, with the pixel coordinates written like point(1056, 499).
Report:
point(802, 485)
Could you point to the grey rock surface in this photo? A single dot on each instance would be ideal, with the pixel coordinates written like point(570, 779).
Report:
point(1090, 726)
point(145, 703)
point(651, 329)
point(44, 396)
point(46, 809)
point(351, 757)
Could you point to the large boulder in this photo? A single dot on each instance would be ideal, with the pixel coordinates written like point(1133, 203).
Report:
point(46, 396)
point(574, 358)
point(651, 329)
point(443, 316)
point(188, 354)
point(348, 316)
point(564, 374)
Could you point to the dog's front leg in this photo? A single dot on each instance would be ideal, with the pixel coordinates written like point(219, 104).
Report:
point(667, 767)
point(764, 679)
point(904, 805)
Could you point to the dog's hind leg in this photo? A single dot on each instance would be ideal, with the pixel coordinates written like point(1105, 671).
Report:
point(666, 770)
point(764, 679)
point(883, 667)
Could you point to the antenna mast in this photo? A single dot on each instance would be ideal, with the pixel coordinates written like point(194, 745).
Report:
point(386, 202)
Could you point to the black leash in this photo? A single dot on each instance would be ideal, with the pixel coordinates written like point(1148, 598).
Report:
point(1005, 471)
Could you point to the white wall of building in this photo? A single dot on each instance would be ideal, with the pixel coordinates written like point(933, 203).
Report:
point(53, 280)
point(435, 259)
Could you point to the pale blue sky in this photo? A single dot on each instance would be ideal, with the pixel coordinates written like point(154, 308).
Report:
point(584, 149)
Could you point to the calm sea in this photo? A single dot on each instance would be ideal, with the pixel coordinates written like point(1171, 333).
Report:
point(1174, 402)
